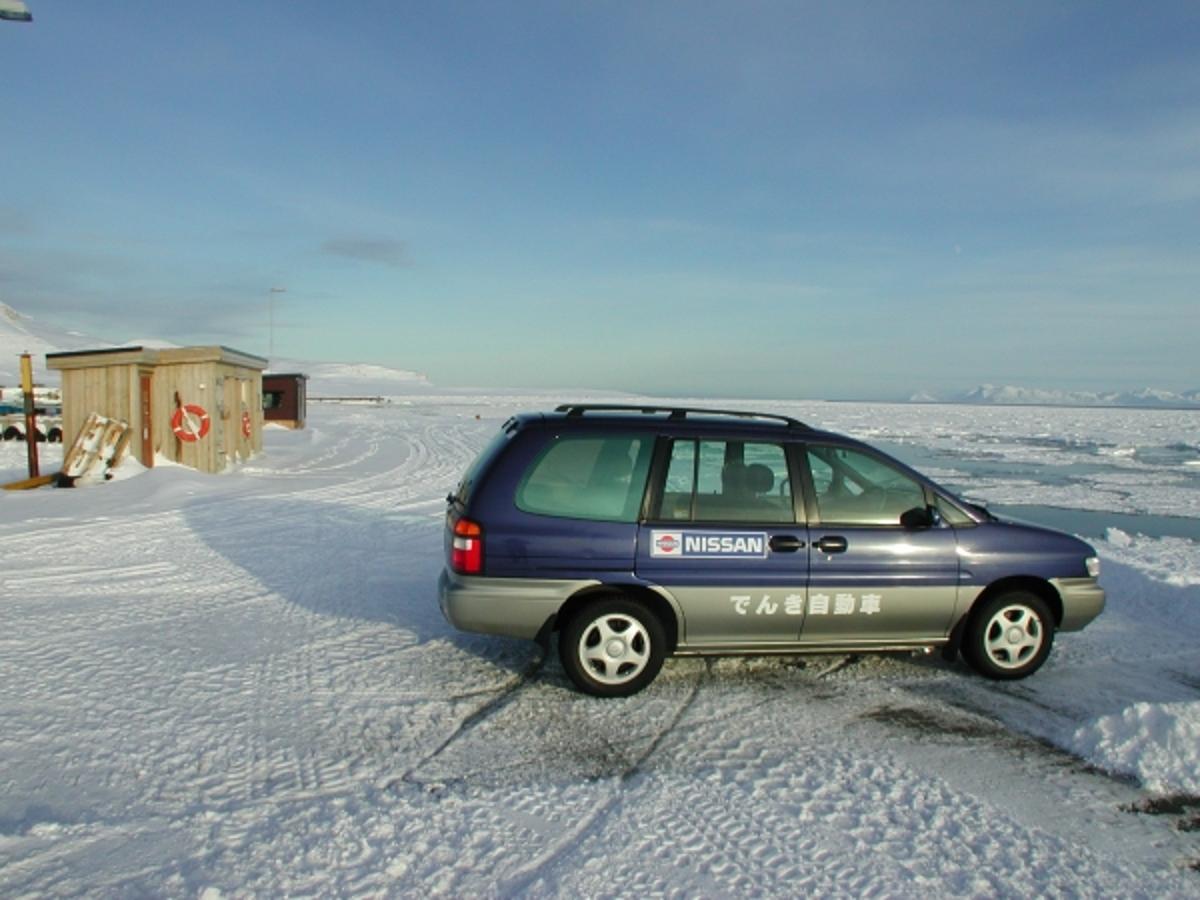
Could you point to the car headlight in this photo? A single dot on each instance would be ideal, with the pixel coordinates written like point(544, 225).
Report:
point(1093, 566)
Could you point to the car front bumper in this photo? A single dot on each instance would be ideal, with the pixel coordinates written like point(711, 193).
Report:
point(1082, 600)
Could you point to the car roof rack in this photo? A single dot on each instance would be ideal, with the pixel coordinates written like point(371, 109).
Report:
point(576, 410)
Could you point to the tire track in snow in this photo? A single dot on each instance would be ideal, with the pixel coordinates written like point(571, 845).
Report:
point(993, 743)
point(232, 750)
point(470, 722)
point(409, 479)
point(527, 875)
point(169, 674)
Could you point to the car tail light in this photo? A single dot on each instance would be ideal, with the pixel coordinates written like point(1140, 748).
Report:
point(466, 548)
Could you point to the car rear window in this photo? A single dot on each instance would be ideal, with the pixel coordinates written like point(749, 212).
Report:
point(482, 462)
point(588, 478)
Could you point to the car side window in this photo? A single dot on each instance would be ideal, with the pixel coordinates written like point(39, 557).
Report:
point(680, 486)
point(726, 481)
point(853, 488)
point(951, 514)
point(588, 478)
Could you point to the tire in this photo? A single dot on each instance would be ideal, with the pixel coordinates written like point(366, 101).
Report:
point(612, 647)
point(1009, 636)
point(13, 433)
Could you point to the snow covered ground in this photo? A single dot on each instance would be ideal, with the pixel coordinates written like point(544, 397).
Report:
point(241, 685)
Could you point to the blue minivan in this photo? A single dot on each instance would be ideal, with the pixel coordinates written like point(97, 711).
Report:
point(640, 532)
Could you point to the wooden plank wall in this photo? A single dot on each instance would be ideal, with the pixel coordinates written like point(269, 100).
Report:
point(109, 390)
point(242, 395)
point(196, 384)
point(224, 391)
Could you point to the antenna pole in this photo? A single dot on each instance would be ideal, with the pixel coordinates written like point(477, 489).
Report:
point(271, 318)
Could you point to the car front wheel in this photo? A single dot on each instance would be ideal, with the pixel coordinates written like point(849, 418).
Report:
point(612, 647)
point(1009, 636)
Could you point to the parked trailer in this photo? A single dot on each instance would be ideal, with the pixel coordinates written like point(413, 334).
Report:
point(47, 408)
point(49, 428)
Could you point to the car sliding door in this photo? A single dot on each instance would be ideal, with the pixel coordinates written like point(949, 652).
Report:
point(724, 540)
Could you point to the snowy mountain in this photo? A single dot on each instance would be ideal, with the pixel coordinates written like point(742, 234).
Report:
point(331, 379)
point(923, 397)
point(1009, 395)
point(20, 333)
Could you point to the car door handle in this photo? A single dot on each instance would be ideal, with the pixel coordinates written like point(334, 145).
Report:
point(786, 543)
point(832, 544)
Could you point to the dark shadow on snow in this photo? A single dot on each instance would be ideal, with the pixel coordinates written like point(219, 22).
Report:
point(348, 562)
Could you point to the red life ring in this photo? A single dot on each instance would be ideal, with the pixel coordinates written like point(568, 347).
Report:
point(246, 428)
point(183, 422)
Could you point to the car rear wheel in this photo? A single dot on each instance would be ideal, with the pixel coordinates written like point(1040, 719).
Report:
point(612, 647)
point(1009, 636)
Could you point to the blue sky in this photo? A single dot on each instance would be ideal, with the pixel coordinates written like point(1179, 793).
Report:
point(841, 200)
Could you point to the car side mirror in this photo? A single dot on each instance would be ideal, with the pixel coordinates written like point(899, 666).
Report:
point(918, 517)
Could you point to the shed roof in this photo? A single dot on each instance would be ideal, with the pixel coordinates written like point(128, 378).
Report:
point(124, 356)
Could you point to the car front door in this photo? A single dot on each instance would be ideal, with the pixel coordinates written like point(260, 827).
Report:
point(872, 580)
point(723, 539)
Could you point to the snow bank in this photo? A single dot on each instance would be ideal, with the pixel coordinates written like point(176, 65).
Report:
point(1174, 561)
point(1136, 712)
point(1157, 742)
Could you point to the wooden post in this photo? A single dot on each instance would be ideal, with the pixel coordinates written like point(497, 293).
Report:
point(30, 413)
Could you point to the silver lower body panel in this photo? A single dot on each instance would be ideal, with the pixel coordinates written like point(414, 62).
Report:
point(512, 607)
point(1082, 600)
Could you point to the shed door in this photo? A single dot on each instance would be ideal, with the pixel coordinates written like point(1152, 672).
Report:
point(221, 425)
point(245, 421)
point(147, 420)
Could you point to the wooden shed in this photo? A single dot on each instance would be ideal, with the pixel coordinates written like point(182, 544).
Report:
point(285, 399)
point(199, 406)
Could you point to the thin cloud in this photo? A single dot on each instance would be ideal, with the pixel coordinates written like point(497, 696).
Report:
point(383, 252)
point(15, 223)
